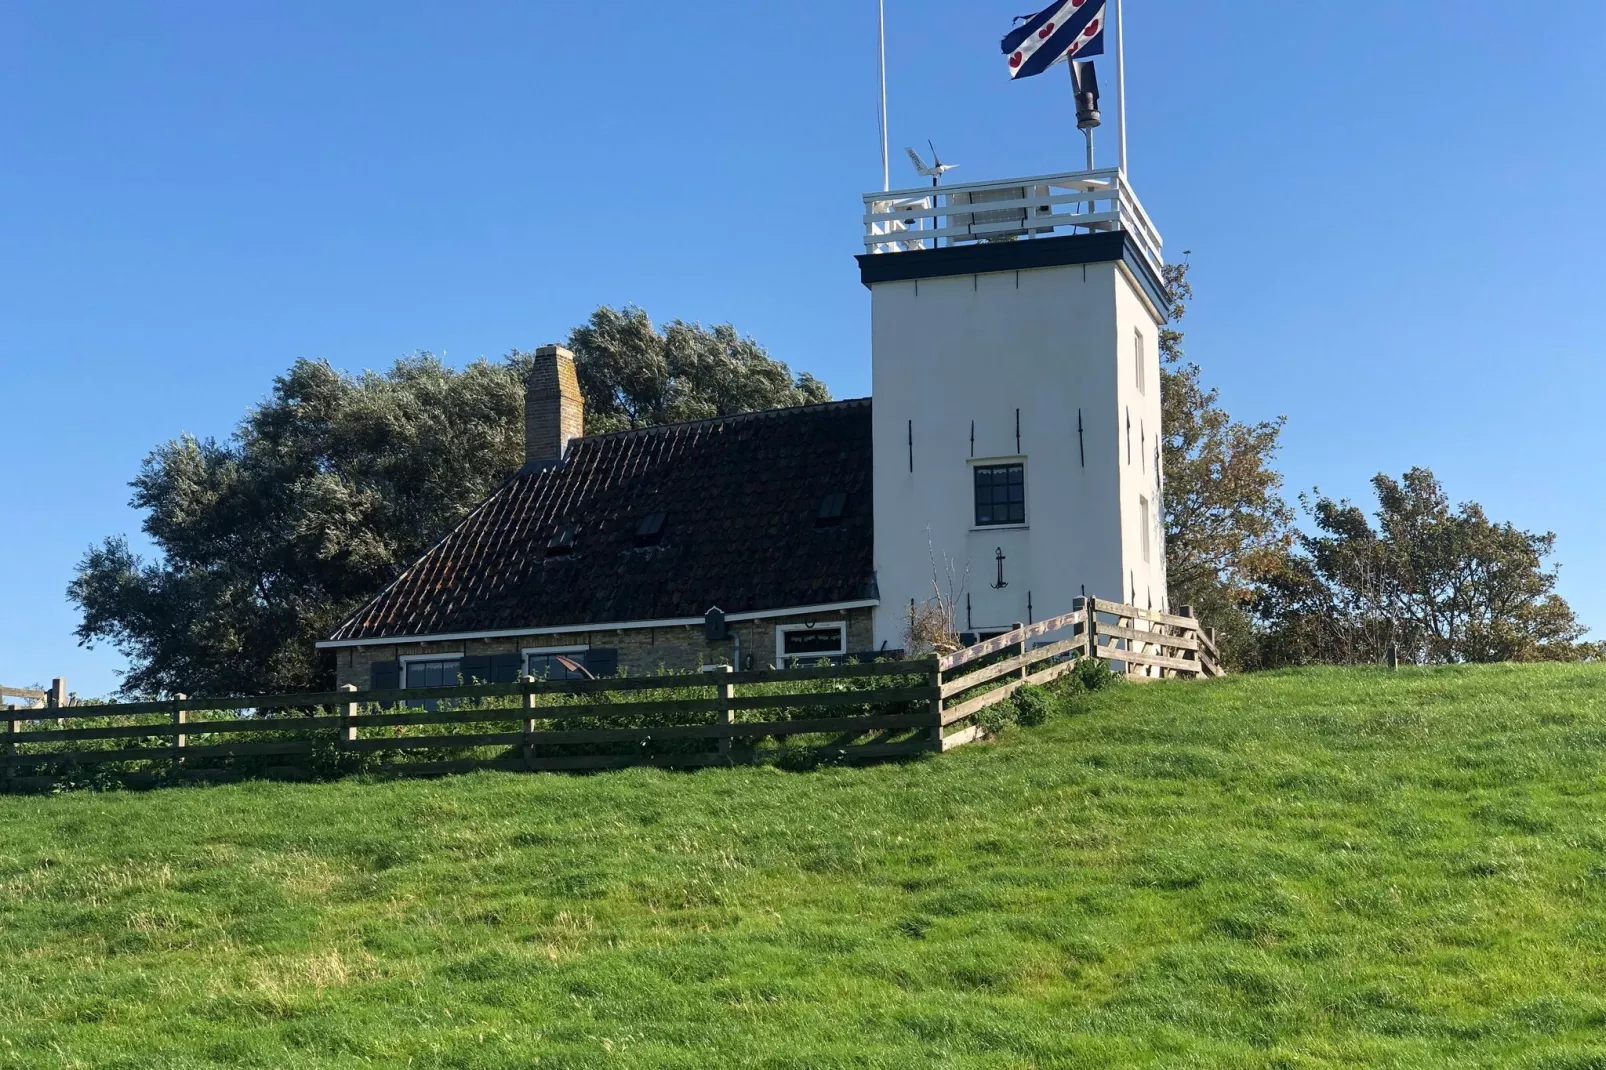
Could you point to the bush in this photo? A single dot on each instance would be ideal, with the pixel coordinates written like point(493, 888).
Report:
point(1032, 706)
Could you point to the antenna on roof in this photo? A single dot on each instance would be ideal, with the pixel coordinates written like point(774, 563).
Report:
point(937, 168)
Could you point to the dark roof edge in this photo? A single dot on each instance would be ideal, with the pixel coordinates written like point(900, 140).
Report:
point(822, 406)
point(985, 258)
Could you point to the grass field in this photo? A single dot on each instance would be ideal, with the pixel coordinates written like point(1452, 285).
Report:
point(1295, 870)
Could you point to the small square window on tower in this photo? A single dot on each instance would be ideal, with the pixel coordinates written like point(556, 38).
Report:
point(1142, 362)
point(1000, 495)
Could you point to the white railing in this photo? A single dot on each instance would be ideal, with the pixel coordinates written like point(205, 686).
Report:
point(1082, 202)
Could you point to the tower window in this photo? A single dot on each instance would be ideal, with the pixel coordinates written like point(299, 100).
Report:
point(1000, 495)
point(831, 509)
point(1146, 522)
point(1142, 363)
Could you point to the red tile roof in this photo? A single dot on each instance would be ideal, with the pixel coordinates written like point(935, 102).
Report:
point(740, 495)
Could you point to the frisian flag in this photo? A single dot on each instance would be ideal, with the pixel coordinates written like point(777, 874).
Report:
point(1069, 29)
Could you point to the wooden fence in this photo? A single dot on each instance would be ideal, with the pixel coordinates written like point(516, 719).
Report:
point(33, 696)
point(837, 713)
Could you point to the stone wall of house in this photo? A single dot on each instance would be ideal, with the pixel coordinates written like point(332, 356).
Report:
point(642, 651)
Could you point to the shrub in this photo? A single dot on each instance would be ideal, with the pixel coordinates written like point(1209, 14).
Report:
point(1032, 706)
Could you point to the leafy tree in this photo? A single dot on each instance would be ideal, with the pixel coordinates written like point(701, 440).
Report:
point(1227, 525)
point(633, 375)
point(334, 484)
point(1447, 584)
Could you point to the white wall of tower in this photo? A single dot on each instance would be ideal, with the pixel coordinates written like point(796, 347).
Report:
point(973, 351)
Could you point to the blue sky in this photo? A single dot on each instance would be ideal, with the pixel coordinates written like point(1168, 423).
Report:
point(1393, 213)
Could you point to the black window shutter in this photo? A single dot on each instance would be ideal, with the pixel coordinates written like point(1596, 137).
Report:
point(600, 662)
point(476, 670)
point(385, 676)
point(505, 668)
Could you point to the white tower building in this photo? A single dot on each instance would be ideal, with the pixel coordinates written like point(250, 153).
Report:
point(1017, 399)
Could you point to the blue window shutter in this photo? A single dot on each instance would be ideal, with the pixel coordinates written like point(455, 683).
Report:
point(384, 676)
point(600, 662)
point(476, 670)
point(505, 668)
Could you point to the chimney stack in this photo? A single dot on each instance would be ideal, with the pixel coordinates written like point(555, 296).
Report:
point(554, 413)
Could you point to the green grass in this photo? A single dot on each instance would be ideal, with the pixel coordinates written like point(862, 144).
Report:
point(1293, 870)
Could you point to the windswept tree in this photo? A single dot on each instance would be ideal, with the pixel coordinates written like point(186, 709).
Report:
point(634, 375)
point(335, 483)
point(1227, 525)
point(1447, 584)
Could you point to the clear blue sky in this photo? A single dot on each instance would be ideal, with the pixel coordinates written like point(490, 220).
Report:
point(1394, 213)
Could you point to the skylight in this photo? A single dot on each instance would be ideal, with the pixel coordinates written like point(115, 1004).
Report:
point(831, 509)
point(562, 541)
point(651, 530)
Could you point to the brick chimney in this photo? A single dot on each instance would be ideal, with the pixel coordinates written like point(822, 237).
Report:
point(554, 412)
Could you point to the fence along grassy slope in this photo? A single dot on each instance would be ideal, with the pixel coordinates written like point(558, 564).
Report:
point(847, 712)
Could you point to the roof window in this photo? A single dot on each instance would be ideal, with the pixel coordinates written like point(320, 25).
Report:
point(831, 509)
point(562, 542)
point(651, 530)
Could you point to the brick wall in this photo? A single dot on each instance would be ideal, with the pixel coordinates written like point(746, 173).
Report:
point(642, 651)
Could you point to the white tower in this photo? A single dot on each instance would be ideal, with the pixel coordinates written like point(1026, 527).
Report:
point(1017, 399)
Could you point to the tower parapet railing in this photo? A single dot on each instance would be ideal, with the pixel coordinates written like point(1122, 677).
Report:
point(1014, 209)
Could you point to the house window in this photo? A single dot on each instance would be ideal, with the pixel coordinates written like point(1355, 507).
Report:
point(1142, 362)
point(800, 643)
point(544, 664)
point(434, 672)
point(1000, 495)
point(1144, 520)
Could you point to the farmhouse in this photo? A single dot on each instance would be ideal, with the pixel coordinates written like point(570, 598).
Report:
point(1009, 462)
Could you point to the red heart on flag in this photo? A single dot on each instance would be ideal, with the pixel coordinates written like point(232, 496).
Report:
point(1044, 33)
point(1092, 28)
point(1016, 60)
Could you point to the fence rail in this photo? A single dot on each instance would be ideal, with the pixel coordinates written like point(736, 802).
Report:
point(844, 713)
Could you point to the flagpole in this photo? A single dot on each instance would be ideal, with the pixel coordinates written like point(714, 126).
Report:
point(886, 164)
point(1120, 77)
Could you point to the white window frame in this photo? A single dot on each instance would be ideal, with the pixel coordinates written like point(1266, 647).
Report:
point(1140, 350)
point(783, 660)
point(1146, 521)
point(540, 651)
point(408, 659)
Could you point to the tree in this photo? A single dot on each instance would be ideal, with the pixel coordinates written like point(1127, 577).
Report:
point(633, 375)
point(336, 483)
point(1227, 525)
point(1448, 585)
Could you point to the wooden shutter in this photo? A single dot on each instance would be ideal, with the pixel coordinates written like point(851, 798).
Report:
point(385, 676)
point(505, 668)
point(476, 670)
point(600, 662)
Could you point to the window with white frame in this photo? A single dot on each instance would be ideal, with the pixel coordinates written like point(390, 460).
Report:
point(1142, 362)
point(798, 644)
point(1145, 520)
point(433, 671)
point(546, 664)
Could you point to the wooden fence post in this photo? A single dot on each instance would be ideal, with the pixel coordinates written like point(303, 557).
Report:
point(57, 697)
point(1093, 628)
point(180, 740)
point(528, 702)
point(1024, 640)
point(936, 705)
point(1192, 655)
point(347, 733)
point(10, 756)
point(727, 716)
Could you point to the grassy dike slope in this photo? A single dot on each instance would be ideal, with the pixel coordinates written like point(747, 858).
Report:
point(1310, 869)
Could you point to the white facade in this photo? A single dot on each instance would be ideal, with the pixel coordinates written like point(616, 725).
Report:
point(998, 368)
